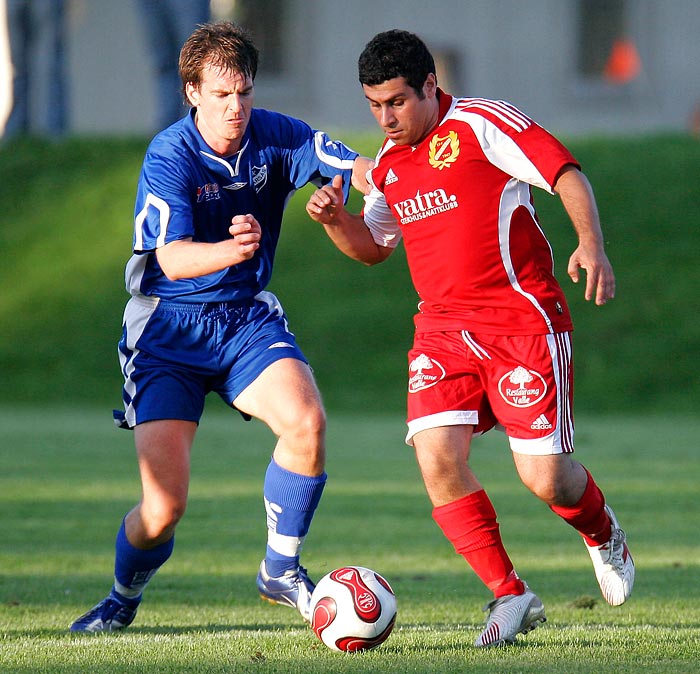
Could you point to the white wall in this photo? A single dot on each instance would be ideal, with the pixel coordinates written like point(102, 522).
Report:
point(520, 51)
point(523, 52)
point(111, 85)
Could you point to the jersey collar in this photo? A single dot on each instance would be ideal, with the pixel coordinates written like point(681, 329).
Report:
point(230, 165)
point(445, 101)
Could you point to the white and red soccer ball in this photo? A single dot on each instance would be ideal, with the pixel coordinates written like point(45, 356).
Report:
point(353, 609)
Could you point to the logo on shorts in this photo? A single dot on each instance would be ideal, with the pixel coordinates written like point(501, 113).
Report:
point(280, 345)
point(521, 387)
point(428, 372)
point(541, 424)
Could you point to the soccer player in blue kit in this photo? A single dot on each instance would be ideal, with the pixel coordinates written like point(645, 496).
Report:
point(209, 207)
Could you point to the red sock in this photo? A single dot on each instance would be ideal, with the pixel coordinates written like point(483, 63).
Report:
point(469, 523)
point(588, 516)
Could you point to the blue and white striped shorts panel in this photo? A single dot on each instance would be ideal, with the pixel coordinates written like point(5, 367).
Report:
point(172, 354)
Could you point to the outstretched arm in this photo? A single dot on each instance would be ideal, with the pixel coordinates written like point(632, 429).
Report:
point(347, 230)
point(577, 196)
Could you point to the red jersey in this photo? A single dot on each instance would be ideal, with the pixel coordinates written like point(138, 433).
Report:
point(462, 202)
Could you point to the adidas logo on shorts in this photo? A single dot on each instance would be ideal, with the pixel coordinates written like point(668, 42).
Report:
point(541, 423)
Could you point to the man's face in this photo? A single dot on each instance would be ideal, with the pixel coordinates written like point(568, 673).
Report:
point(405, 118)
point(224, 100)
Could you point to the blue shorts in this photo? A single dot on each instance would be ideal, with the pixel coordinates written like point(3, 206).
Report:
point(173, 353)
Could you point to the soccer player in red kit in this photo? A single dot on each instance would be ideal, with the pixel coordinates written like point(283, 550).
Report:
point(492, 343)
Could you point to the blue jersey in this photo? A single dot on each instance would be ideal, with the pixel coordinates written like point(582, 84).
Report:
point(187, 191)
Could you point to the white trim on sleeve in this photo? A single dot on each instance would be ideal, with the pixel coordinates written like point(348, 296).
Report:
point(164, 211)
point(380, 220)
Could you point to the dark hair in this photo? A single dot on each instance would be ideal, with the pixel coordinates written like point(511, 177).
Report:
point(396, 53)
point(221, 45)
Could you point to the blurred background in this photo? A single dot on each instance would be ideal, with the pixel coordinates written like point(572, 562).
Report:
point(85, 84)
point(580, 66)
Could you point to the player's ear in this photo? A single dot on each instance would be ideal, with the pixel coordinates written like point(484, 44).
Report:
point(193, 94)
point(430, 86)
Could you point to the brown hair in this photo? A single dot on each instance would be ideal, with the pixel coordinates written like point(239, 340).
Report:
point(221, 45)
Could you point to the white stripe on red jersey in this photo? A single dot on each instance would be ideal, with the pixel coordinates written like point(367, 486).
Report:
point(496, 109)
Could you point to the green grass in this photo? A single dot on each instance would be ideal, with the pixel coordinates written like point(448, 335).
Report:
point(68, 477)
point(65, 234)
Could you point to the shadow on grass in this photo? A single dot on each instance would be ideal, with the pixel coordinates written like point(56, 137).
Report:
point(571, 597)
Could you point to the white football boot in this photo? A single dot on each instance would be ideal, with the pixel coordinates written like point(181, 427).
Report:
point(613, 564)
point(509, 616)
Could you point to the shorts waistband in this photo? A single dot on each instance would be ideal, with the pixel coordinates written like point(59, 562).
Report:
point(206, 307)
point(193, 307)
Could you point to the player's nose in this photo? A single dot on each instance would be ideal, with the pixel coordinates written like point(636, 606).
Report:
point(387, 118)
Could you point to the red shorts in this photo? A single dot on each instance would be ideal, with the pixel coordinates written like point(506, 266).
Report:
point(523, 384)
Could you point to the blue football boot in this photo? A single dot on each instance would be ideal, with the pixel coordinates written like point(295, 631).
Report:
point(292, 589)
point(110, 615)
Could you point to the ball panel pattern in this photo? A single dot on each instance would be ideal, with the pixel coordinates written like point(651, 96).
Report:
point(353, 609)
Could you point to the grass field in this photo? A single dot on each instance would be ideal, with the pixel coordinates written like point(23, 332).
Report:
point(67, 478)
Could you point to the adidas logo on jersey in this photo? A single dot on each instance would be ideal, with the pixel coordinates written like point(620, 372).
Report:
point(541, 423)
point(391, 177)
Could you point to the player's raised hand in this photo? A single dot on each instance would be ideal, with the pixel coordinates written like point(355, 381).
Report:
point(600, 278)
point(577, 196)
point(246, 232)
point(324, 204)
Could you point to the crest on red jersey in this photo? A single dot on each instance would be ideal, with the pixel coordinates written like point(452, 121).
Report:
point(444, 150)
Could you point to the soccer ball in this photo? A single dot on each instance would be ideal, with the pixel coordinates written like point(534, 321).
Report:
point(353, 609)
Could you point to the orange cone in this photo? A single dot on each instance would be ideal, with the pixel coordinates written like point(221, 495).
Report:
point(623, 64)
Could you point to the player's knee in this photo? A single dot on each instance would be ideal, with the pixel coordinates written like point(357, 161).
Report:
point(315, 422)
point(160, 520)
point(553, 492)
point(306, 427)
point(301, 446)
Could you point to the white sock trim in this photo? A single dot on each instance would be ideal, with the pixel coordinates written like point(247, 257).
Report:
point(289, 546)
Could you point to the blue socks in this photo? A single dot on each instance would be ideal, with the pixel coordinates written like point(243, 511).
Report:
point(290, 501)
point(133, 568)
